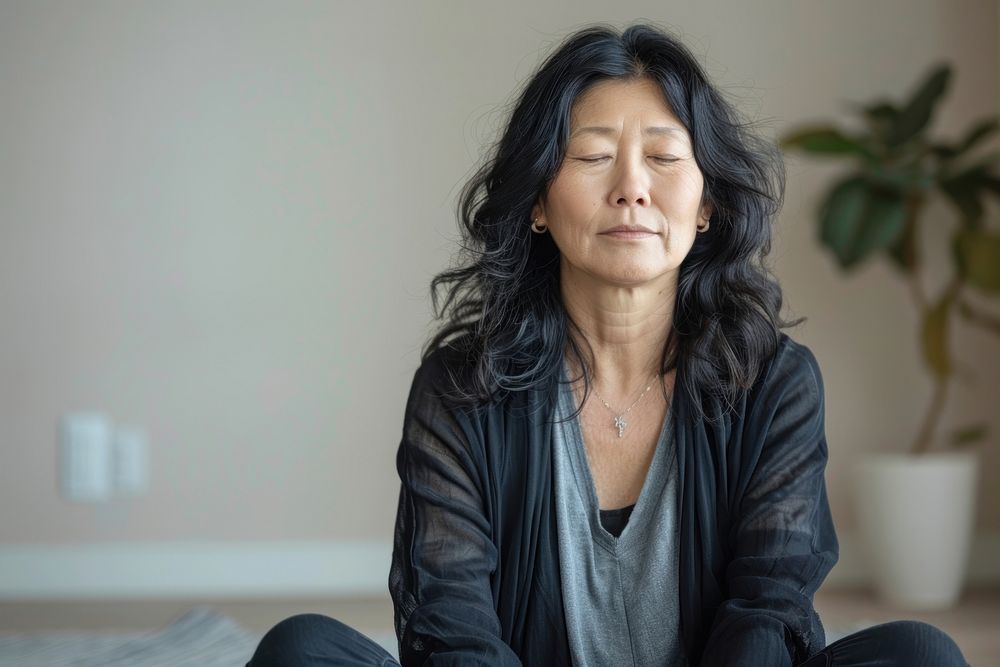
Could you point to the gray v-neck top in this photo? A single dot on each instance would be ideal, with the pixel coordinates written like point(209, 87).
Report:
point(620, 593)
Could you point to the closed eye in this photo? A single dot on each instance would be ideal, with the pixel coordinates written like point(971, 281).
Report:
point(658, 158)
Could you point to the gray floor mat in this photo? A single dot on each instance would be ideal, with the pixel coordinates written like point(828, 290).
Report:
point(201, 637)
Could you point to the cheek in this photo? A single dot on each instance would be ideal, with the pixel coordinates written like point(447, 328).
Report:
point(571, 192)
point(568, 237)
point(682, 195)
point(572, 205)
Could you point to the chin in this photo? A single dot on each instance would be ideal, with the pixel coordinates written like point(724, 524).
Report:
point(634, 276)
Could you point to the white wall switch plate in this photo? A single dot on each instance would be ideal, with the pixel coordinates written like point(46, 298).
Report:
point(85, 457)
point(131, 462)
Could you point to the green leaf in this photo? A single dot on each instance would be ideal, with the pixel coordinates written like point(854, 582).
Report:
point(943, 152)
point(857, 219)
point(824, 141)
point(979, 132)
point(917, 112)
point(969, 435)
point(965, 190)
point(934, 337)
point(992, 183)
point(840, 215)
point(903, 179)
point(977, 255)
point(965, 197)
point(881, 116)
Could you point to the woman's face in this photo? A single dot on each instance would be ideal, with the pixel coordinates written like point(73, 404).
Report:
point(629, 161)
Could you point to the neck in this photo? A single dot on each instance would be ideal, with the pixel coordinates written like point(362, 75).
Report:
point(625, 327)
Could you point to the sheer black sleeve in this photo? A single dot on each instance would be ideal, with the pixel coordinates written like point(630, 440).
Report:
point(443, 554)
point(783, 542)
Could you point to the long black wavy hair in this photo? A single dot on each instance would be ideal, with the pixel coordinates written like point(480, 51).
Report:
point(502, 306)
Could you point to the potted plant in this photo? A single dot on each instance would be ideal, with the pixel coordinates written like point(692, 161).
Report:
point(916, 508)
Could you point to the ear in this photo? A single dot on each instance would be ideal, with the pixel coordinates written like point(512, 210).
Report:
point(706, 210)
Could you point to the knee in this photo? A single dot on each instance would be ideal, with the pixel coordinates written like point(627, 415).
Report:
point(919, 643)
point(295, 639)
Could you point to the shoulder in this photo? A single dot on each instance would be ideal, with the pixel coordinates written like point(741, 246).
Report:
point(434, 421)
point(451, 361)
point(453, 374)
point(793, 362)
point(790, 382)
point(788, 398)
point(446, 374)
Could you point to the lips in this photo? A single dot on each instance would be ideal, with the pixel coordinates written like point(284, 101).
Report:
point(629, 229)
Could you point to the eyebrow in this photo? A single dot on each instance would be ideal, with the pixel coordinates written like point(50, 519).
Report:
point(610, 131)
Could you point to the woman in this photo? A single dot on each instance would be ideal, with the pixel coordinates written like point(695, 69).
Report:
point(612, 454)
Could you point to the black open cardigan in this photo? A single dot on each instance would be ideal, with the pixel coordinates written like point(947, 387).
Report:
point(475, 566)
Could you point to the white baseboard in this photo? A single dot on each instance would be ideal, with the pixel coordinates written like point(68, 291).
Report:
point(195, 569)
point(234, 570)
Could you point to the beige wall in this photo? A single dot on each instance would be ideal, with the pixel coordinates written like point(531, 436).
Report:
point(218, 222)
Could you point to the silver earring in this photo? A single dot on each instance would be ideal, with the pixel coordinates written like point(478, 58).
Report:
point(538, 229)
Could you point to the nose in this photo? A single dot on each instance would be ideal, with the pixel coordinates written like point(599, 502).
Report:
point(631, 186)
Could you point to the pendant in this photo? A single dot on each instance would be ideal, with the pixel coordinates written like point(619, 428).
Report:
point(621, 424)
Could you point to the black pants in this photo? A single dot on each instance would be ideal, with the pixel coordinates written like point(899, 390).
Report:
point(314, 639)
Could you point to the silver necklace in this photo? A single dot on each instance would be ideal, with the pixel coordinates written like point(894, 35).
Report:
point(620, 422)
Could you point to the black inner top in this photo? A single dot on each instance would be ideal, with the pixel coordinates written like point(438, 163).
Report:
point(614, 521)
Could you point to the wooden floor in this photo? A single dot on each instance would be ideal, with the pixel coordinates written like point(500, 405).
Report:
point(974, 623)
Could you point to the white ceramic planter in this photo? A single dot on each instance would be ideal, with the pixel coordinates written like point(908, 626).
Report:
point(916, 516)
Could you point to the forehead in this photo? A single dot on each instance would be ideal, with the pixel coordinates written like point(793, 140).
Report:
point(612, 101)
